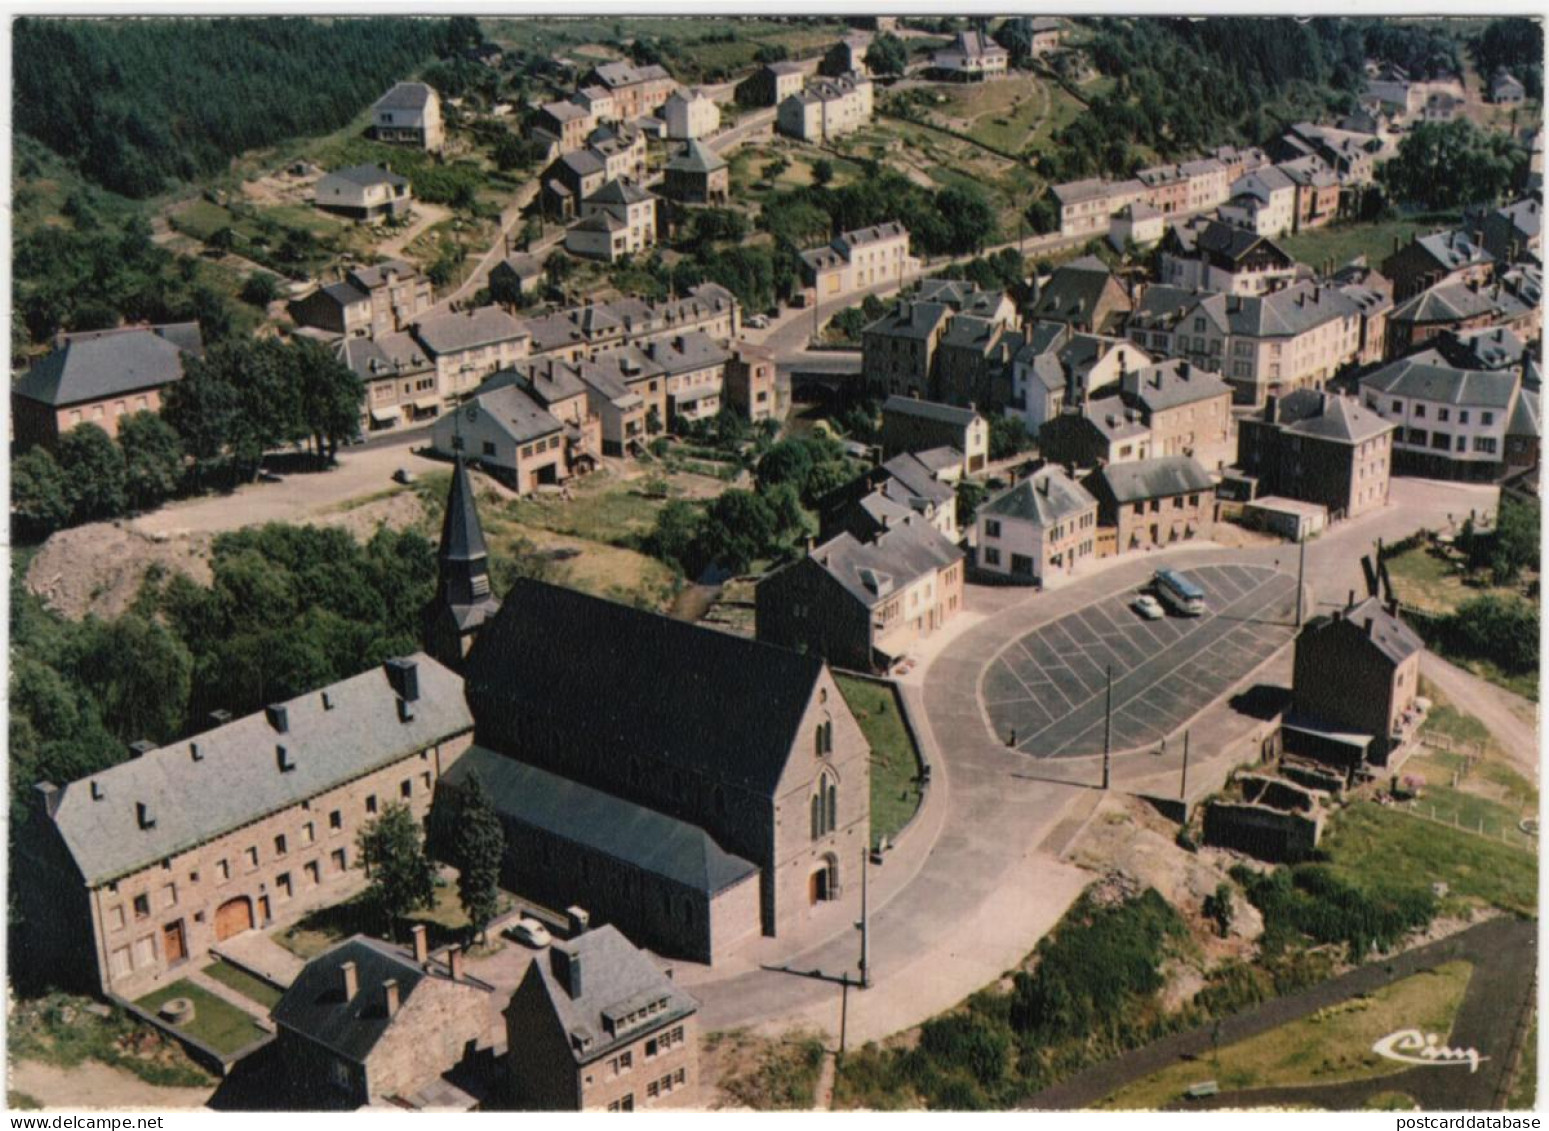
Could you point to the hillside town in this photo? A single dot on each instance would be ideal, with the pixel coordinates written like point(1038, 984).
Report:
point(778, 563)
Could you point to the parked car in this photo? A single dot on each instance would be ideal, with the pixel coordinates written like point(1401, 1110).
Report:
point(758, 322)
point(403, 475)
point(529, 931)
point(1149, 607)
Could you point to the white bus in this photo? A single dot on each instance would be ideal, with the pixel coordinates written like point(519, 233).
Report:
point(1179, 592)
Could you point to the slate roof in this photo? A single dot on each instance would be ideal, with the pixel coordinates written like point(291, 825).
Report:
point(1389, 634)
point(464, 330)
point(615, 679)
point(315, 1006)
point(99, 366)
point(384, 273)
point(1490, 347)
point(1452, 250)
point(1285, 313)
point(650, 841)
point(1171, 383)
point(565, 111)
point(873, 570)
point(520, 416)
point(1230, 244)
point(914, 320)
point(1113, 419)
point(583, 162)
point(1046, 497)
point(915, 473)
point(969, 331)
point(1157, 478)
point(929, 410)
point(387, 354)
point(600, 221)
point(684, 353)
point(616, 974)
point(1329, 416)
point(1525, 418)
point(237, 778)
point(1426, 377)
point(405, 96)
point(1074, 289)
point(877, 233)
point(1161, 305)
point(549, 380)
point(524, 266)
point(1456, 301)
point(696, 158)
point(368, 175)
point(619, 192)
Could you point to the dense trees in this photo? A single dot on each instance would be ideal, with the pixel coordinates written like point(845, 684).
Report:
point(887, 55)
point(153, 459)
point(468, 836)
point(1517, 45)
point(139, 102)
point(951, 221)
point(1455, 164)
point(391, 850)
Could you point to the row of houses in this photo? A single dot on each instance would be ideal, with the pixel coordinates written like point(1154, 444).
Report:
point(621, 93)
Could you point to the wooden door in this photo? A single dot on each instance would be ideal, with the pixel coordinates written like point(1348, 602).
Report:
point(233, 917)
point(173, 946)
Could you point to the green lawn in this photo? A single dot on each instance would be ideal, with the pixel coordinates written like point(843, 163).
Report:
point(895, 765)
point(1367, 840)
point(254, 989)
point(1342, 242)
point(1427, 579)
point(1326, 1047)
point(218, 1023)
point(326, 926)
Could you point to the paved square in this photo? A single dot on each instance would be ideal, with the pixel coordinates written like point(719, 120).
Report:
point(1048, 687)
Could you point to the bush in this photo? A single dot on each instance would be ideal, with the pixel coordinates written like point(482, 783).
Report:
point(1310, 900)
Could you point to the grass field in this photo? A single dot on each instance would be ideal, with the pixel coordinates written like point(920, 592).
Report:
point(217, 1022)
point(764, 1073)
point(895, 764)
point(1327, 1047)
point(1011, 114)
point(1371, 840)
point(255, 989)
point(1427, 580)
point(1344, 242)
point(326, 926)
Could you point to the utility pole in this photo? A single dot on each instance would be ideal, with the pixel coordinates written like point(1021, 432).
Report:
point(865, 926)
point(1108, 730)
point(1301, 572)
point(844, 1015)
point(1183, 782)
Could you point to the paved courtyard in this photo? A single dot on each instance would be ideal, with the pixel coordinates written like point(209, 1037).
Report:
point(1047, 688)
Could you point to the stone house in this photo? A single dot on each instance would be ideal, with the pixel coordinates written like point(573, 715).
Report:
point(467, 346)
point(617, 220)
point(974, 362)
point(1054, 361)
point(1085, 295)
point(1317, 191)
point(409, 114)
point(601, 1027)
point(570, 179)
point(911, 425)
point(848, 56)
point(826, 108)
point(679, 802)
point(856, 260)
point(368, 301)
point(862, 602)
point(565, 123)
point(1086, 206)
point(697, 176)
point(508, 434)
point(365, 192)
point(398, 378)
point(693, 368)
point(1187, 409)
point(595, 329)
point(1449, 423)
point(1042, 528)
point(1208, 255)
point(1263, 201)
point(690, 114)
point(1441, 257)
point(898, 350)
point(366, 1023)
point(754, 385)
point(139, 871)
point(771, 84)
point(1092, 432)
point(1321, 448)
point(97, 377)
point(1514, 232)
point(514, 278)
point(1154, 502)
point(637, 90)
point(918, 482)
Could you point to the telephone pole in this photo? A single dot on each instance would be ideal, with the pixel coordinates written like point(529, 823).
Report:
point(1108, 730)
point(1301, 573)
point(1183, 782)
point(865, 926)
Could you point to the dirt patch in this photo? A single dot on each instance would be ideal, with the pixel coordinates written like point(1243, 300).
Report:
point(750, 1072)
point(97, 568)
point(93, 1085)
point(397, 509)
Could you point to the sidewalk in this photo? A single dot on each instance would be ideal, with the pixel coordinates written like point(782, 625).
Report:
point(256, 952)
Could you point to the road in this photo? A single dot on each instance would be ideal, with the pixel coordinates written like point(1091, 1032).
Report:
point(1498, 709)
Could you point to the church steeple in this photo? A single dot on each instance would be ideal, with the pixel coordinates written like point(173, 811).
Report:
point(463, 599)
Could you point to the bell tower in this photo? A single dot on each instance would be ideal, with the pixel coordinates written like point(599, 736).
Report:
point(463, 600)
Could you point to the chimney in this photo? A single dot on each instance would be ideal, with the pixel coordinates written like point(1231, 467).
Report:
point(1271, 409)
point(283, 759)
point(195, 753)
point(421, 948)
point(48, 795)
point(1371, 625)
point(278, 716)
point(580, 919)
point(390, 997)
point(351, 981)
point(143, 815)
point(454, 959)
point(405, 711)
point(140, 746)
point(97, 792)
point(566, 965)
point(1350, 601)
point(403, 677)
point(327, 701)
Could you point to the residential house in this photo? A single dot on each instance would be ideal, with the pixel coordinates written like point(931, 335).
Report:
point(557, 386)
point(1441, 257)
point(1091, 433)
point(570, 179)
point(515, 278)
point(1451, 423)
point(1319, 447)
point(898, 350)
point(1086, 207)
point(1053, 359)
point(566, 123)
point(1154, 502)
point(1490, 347)
point(919, 482)
point(1262, 201)
point(1512, 301)
point(964, 297)
point(621, 148)
point(693, 369)
point(848, 56)
point(1514, 232)
point(771, 84)
point(859, 259)
point(139, 870)
point(911, 425)
point(1135, 225)
point(1207, 255)
point(1373, 299)
point(1507, 90)
point(467, 346)
point(1442, 106)
point(97, 377)
point(409, 114)
point(599, 103)
point(680, 804)
point(697, 176)
point(755, 387)
point(972, 57)
point(1047, 32)
point(1317, 191)
point(367, 302)
point(974, 361)
point(365, 192)
point(1039, 530)
point(1084, 294)
point(1353, 685)
point(1208, 183)
point(1167, 188)
point(617, 220)
point(596, 328)
point(508, 434)
point(690, 114)
point(1187, 409)
point(862, 603)
point(365, 1023)
point(602, 1027)
point(826, 108)
point(398, 378)
point(637, 90)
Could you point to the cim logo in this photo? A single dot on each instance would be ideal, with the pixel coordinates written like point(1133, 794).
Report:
point(1410, 1046)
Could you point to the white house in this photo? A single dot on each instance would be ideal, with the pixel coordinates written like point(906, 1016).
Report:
point(1263, 202)
point(1452, 423)
point(972, 56)
point(467, 346)
point(364, 192)
point(856, 260)
point(690, 114)
point(1042, 528)
point(507, 433)
point(409, 114)
point(1139, 224)
point(619, 219)
point(827, 108)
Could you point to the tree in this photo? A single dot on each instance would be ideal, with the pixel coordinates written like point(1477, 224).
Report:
point(1016, 36)
point(1453, 165)
point(1515, 545)
point(40, 496)
point(475, 843)
point(260, 289)
point(94, 473)
point(331, 394)
point(675, 534)
point(789, 461)
point(392, 852)
point(887, 55)
point(739, 527)
point(153, 459)
point(1008, 436)
point(822, 171)
point(969, 495)
point(139, 673)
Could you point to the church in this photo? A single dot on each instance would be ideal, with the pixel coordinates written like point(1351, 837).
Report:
point(693, 788)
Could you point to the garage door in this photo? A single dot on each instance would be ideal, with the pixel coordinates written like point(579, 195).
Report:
point(233, 917)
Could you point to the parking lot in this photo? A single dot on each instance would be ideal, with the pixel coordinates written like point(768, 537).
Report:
point(1044, 693)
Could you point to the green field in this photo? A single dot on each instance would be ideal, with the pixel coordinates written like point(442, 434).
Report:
point(1328, 1047)
point(326, 926)
point(1343, 242)
point(254, 989)
point(895, 764)
point(217, 1023)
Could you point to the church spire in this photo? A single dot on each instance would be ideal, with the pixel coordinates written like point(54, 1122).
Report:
point(463, 599)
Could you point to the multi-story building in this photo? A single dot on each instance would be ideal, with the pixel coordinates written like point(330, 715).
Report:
point(637, 90)
point(856, 260)
point(367, 302)
point(848, 56)
point(1451, 423)
point(1085, 295)
point(1512, 301)
point(617, 220)
point(1319, 447)
point(508, 434)
point(1091, 433)
point(1154, 502)
point(409, 114)
point(1041, 529)
point(1514, 232)
point(365, 192)
point(140, 869)
point(1262, 201)
point(467, 346)
point(596, 328)
point(1087, 206)
point(697, 176)
point(565, 124)
point(1167, 188)
point(898, 350)
point(1317, 191)
point(1441, 257)
point(1056, 360)
point(912, 425)
point(1187, 410)
point(772, 84)
point(690, 114)
point(918, 482)
point(98, 377)
point(755, 386)
point(971, 57)
point(693, 369)
point(826, 108)
point(1207, 255)
point(974, 361)
point(399, 380)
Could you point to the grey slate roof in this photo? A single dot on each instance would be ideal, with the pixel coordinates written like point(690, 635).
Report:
point(1329, 416)
point(696, 158)
point(650, 841)
point(910, 320)
point(1046, 497)
point(368, 175)
point(1490, 347)
point(315, 1006)
point(1171, 383)
point(929, 410)
point(685, 353)
point(1525, 418)
point(1391, 636)
point(601, 221)
point(616, 975)
point(1452, 250)
point(699, 699)
point(1074, 289)
point(237, 778)
point(89, 368)
point(914, 473)
point(618, 192)
point(387, 355)
point(1426, 377)
point(405, 96)
point(872, 571)
point(1445, 302)
point(481, 326)
point(519, 416)
point(462, 538)
point(1155, 478)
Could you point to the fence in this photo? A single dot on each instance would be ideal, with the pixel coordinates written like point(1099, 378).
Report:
point(1508, 835)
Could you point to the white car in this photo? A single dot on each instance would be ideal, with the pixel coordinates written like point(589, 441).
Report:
point(531, 932)
point(1149, 607)
point(758, 322)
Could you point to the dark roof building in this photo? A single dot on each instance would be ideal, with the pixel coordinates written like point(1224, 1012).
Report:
point(1084, 294)
point(463, 600)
